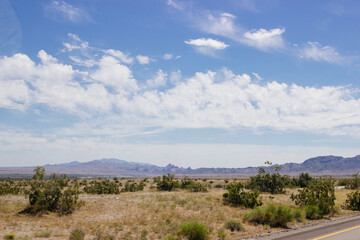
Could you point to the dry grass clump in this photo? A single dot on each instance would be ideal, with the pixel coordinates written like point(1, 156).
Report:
point(148, 214)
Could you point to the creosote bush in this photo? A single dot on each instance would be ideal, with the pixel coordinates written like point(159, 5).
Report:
point(102, 186)
point(194, 231)
point(77, 234)
point(319, 193)
point(192, 186)
point(273, 215)
point(353, 201)
point(234, 225)
point(167, 183)
point(273, 183)
point(133, 187)
point(237, 196)
point(53, 195)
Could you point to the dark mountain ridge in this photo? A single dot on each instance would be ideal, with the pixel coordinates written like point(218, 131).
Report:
point(322, 165)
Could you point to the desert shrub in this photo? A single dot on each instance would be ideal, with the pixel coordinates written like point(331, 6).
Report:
point(320, 193)
point(313, 212)
point(133, 187)
point(197, 187)
point(354, 182)
point(51, 196)
point(273, 183)
point(194, 231)
point(346, 182)
point(218, 186)
point(167, 183)
point(77, 234)
point(10, 187)
point(234, 225)
point(236, 196)
point(302, 181)
point(191, 185)
point(222, 234)
point(103, 186)
point(9, 236)
point(272, 215)
point(353, 201)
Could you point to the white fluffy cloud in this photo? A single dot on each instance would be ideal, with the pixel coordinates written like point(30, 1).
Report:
point(143, 59)
point(207, 100)
point(208, 43)
point(265, 39)
point(314, 51)
point(158, 81)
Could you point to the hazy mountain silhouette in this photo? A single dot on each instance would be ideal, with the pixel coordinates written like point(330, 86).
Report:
point(322, 165)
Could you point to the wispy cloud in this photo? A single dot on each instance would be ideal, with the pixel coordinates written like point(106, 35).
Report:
point(167, 56)
point(316, 52)
point(61, 10)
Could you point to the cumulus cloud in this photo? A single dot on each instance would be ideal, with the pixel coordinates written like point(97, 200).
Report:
point(209, 99)
point(265, 39)
point(143, 59)
point(158, 81)
point(61, 10)
point(316, 52)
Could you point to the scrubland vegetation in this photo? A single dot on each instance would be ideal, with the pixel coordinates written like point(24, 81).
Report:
point(167, 207)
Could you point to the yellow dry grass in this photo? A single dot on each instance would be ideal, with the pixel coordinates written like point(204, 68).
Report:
point(148, 214)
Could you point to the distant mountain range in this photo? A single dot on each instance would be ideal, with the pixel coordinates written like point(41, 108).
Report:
point(323, 165)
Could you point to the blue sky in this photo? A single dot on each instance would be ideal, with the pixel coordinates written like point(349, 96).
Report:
point(194, 83)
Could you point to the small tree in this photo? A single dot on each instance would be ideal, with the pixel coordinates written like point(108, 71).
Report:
point(236, 196)
point(265, 182)
point(319, 193)
point(51, 195)
point(39, 173)
point(353, 201)
point(167, 183)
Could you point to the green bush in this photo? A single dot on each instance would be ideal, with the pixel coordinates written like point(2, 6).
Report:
point(50, 195)
point(319, 193)
point(353, 201)
point(313, 212)
point(167, 183)
point(102, 186)
point(273, 183)
point(302, 181)
point(273, 215)
point(192, 186)
point(354, 182)
point(9, 236)
point(234, 225)
point(194, 231)
point(77, 234)
point(133, 187)
point(236, 196)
